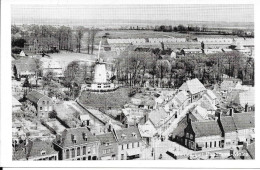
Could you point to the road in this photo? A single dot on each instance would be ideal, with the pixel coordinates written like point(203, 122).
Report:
point(178, 119)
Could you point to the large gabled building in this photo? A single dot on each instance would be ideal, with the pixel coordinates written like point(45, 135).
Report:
point(77, 144)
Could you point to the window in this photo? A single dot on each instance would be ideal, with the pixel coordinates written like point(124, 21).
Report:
point(187, 135)
point(219, 143)
point(89, 151)
point(127, 146)
point(215, 144)
point(84, 150)
point(138, 144)
point(78, 151)
point(43, 102)
point(67, 154)
point(191, 136)
point(123, 147)
point(40, 108)
point(122, 156)
point(43, 152)
point(206, 145)
point(210, 144)
point(72, 152)
point(133, 145)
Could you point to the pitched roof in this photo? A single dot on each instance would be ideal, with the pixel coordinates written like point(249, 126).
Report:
point(157, 115)
point(37, 146)
point(34, 96)
point(209, 128)
point(247, 97)
point(237, 122)
point(33, 149)
point(107, 137)
point(211, 94)
point(15, 102)
point(200, 113)
point(25, 64)
point(227, 84)
point(125, 135)
point(182, 96)
point(66, 138)
point(228, 124)
point(193, 86)
point(244, 120)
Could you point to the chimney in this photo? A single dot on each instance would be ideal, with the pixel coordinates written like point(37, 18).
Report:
point(188, 118)
point(231, 112)
point(246, 107)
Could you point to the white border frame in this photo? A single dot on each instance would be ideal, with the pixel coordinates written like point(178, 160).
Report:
point(6, 135)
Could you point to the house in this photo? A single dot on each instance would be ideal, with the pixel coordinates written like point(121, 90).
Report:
point(194, 88)
point(246, 99)
point(42, 104)
point(77, 144)
point(200, 113)
point(191, 51)
point(132, 116)
point(147, 132)
point(23, 67)
point(157, 117)
point(129, 143)
point(203, 135)
point(212, 51)
point(238, 128)
point(108, 146)
point(16, 105)
point(50, 65)
point(178, 103)
point(35, 150)
point(227, 86)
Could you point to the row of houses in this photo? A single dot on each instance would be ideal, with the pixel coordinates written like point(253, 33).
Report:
point(80, 144)
point(223, 132)
point(240, 49)
point(248, 41)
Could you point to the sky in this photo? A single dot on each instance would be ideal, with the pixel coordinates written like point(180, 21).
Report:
point(175, 12)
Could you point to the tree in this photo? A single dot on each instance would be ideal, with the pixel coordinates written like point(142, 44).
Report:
point(163, 67)
point(38, 69)
point(79, 35)
point(92, 35)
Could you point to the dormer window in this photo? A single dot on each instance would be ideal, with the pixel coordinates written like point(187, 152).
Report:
point(123, 136)
point(43, 152)
point(134, 135)
point(85, 137)
point(74, 139)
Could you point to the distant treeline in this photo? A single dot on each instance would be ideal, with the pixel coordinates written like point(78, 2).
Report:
point(203, 30)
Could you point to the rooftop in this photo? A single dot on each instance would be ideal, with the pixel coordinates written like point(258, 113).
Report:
point(193, 86)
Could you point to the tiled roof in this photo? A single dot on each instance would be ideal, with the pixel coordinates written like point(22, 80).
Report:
point(237, 122)
point(228, 124)
point(37, 146)
point(66, 138)
point(33, 149)
point(107, 137)
point(25, 64)
point(126, 135)
point(209, 128)
point(34, 96)
point(194, 86)
point(244, 120)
